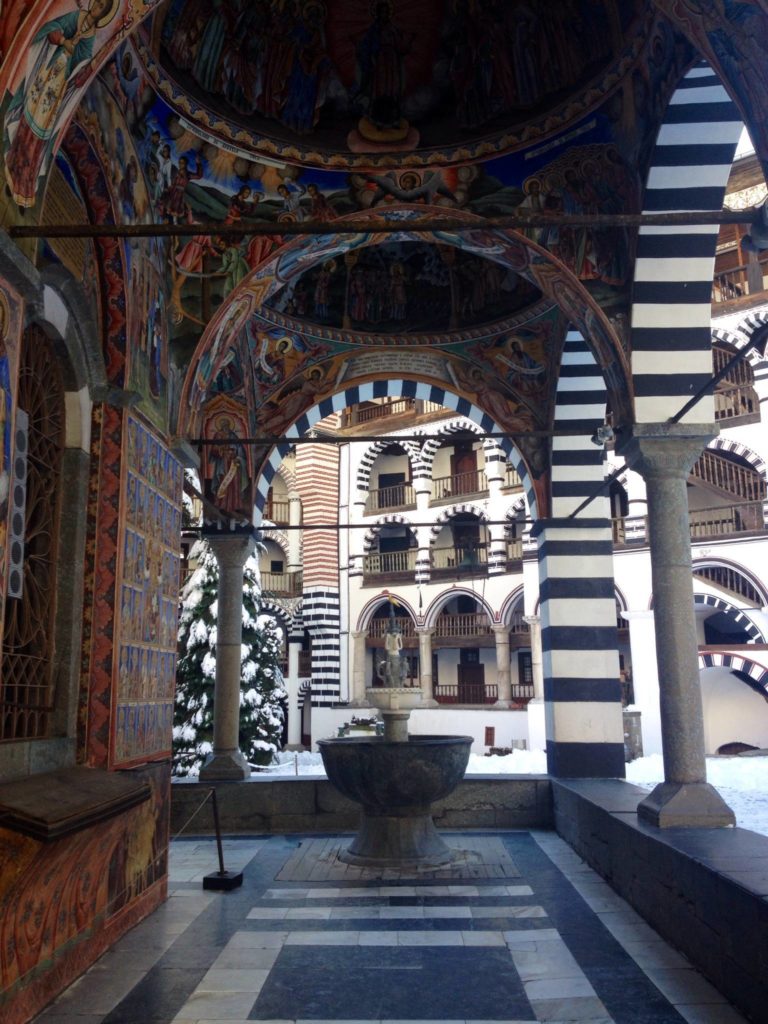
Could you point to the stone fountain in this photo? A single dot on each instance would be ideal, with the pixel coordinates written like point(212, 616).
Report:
point(396, 777)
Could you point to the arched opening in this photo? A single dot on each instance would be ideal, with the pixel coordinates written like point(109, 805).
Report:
point(463, 652)
point(386, 617)
point(461, 547)
point(390, 480)
point(736, 401)
point(458, 468)
point(392, 555)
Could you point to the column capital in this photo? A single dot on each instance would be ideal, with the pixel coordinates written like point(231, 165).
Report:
point(532, 620)
point(425, 630)
point(500, 628)
point(232, 550)
point(357, 633)
point(665, 450)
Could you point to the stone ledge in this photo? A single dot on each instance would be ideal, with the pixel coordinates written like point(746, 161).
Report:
point(306, 804)
point(703, 889)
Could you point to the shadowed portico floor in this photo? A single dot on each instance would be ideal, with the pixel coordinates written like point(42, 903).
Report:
point(520, 930)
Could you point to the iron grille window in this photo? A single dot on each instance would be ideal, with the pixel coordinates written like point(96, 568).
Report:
point(27, 684)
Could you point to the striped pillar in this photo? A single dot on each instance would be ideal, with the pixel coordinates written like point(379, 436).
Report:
point(582, 693)
point(317, 477)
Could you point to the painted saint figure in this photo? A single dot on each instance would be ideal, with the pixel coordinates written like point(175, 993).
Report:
point(59, 55)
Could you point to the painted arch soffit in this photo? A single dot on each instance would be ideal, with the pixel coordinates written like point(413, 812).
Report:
point(234, 333)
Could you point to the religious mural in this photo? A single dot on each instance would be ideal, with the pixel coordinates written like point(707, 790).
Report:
point(387, 76)
point(227, 465)
point(405, 287)
point(55, 54)
point(149, 585)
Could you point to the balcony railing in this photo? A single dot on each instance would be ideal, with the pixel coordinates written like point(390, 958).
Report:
point(734, 283)
point(728, 476)
point(522, 692)
point(364, 414)
point(459, 484)
point(396, 496)
point(511, 477)
point(518, 624)
point(726, 520)
point(464, 624)
point(720, 521)
point(736, 402)
point(467, 557)
point(466, 693)
point(386, 562)
point(378, 628)
point(514, 549)
point(281, 584)
point(277, 511)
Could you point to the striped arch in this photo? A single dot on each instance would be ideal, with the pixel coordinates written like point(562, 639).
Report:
point(749, 325)
point(371, 454)
point(442, 599)
point(305, 693)
point(372, 533)
point(280, 537)
point(671, 312)
point(733, 613)
point(370, 609)
point(394, 388)
point(723, 659)
point(443, 433)
point(754, 581)
point(283, 615)
point(289, 477)
point(450, 513)
point(724, 444)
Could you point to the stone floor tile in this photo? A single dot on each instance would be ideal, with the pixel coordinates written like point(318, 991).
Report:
point(443, 912)
point(351, 913)
point(522, 938)
point(483, 938)
point(341, 938)
point(309, 913)
point(518, 890)
point(710, 1013)
point(258, 940)
point(217, 1006)
point(683, 985)
point(237, 958)
point(655, 954)
point(98, 991)
point(233, 980)
point(586, 1010)
point(377, 938)
point(400, 913)
point(268, 913)
point(443, 938)
point(572, 987)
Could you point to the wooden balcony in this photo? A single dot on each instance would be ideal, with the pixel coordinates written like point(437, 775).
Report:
point(742, 482)
point(522, 693)
point(277, 511)
point(378, 628)
point(466, 693)
point(737, 403)
point(705, 523)
point(738, 285)
point(459, 485)
point(462, 626)
point(366, 413)
point(389, 564)
point(398, 496)
point(511, 479)
point(514, 550)
point(457, 560)
point(281, 584)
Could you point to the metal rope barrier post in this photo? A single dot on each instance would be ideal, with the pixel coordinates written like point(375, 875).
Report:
point(221, 880)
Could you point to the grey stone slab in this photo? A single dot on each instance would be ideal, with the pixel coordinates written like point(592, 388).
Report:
point(683, 985)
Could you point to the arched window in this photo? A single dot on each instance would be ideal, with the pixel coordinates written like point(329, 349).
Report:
point(27, 687)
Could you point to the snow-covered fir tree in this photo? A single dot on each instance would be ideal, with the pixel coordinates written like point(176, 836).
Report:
point(262, 694)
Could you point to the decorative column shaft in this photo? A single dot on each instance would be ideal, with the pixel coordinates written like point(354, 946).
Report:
point(537, 665)
point(663, 455)
point(292, 686)
point(425, 662)
point(357, 697)
point(227, 760)
point(294, 536)
point(503, 679)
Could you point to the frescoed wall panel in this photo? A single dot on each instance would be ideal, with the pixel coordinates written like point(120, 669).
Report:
point(11, 311)
point(145, 650)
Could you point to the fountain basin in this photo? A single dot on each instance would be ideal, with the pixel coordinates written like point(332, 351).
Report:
point(396, 784)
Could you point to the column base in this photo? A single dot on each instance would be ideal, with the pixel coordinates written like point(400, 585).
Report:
point(229, 766)
point(359, 703)
point(685, 805)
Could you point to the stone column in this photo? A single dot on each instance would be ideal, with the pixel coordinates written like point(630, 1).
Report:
point(294, 536)
point(503, 679)
point(424, 634)
point(663, 455)
point(537, 725)
point(227, 761)
point(358, 699)
point(292, 686)
point(537, 664)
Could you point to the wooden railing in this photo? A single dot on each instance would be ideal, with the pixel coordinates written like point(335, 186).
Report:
point(730, 580)
point(364, 414)
point(278, 511)
point(459, 484)
point(734, 283)
point(726, 520)
point(517, 623)
point(378, 628)
point(522, 692)
point(737, 401)
point(514, 549)
point(383, 562)
point(463, 624)
point(741, 482)
point(466, 693)
point(511, 477)
point(281, 584)
point(396, 496)
point(468, 557)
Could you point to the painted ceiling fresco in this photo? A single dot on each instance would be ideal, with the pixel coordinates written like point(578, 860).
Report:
point(393, 76)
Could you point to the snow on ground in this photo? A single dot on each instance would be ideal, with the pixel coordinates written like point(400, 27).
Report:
point(742, 781)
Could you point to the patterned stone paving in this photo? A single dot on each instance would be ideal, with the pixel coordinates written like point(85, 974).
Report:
point(535, 936)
